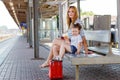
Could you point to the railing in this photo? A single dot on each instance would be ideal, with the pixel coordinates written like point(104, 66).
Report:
point(5, 36)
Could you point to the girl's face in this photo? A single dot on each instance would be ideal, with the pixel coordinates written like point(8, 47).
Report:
point(71, 13)
point(75, 31)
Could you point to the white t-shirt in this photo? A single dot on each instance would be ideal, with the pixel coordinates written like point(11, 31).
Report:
point(75, 40)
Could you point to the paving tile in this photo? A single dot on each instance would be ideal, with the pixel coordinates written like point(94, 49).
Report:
point(19, 65)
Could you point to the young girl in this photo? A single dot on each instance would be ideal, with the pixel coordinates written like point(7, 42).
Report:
point(75, 43)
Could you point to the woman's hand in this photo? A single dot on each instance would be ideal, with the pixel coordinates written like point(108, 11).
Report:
point(78, 51)
point(67, 41)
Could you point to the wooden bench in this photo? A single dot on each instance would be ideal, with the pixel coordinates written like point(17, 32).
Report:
point(99, 36)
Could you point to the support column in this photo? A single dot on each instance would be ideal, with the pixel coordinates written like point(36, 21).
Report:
point(28, 24)
point(35, 18)
point(60, 20)
point(118, 21)
point(68, 3)
point(78, 6)
point(30, 28)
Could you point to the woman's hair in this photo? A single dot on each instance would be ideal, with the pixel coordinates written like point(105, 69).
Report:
point(77, 25)
point(69, 21)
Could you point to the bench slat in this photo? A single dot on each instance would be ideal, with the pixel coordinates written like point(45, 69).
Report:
point(98, 35)
point(96, 60)
point(101, 50)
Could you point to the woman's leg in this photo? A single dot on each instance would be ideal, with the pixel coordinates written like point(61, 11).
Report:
point(63, 48)
point(50, 56)
point(56, 50)
point(85, 44)
point(56, 42)
point(53, 52)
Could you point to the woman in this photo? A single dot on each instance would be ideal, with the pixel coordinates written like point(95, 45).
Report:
point(72, 18)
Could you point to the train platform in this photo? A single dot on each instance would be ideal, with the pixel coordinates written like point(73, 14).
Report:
point(18, 64)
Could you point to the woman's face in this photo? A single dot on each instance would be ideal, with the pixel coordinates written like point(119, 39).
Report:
point(71, 13)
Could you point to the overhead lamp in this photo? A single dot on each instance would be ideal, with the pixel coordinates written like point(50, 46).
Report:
point(12, 8)
point(25, 0)
point(11, 3)
point(13, 11)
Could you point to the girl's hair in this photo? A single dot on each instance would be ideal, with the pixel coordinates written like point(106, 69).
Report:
point(77, 25)
point(69, 21)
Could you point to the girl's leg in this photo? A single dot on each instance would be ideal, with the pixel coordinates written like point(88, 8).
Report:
point(63, 48)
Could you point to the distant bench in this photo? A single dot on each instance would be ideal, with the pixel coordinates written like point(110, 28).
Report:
point(103, 36)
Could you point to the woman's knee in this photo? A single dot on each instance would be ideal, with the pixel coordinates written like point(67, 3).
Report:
point(55, 48)
point(57, 41)
point(63, 45)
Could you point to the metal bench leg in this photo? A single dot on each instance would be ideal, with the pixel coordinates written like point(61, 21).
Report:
point(77, 72)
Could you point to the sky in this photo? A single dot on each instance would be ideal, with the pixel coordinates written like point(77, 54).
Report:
point(99, 7)
point(5, 18)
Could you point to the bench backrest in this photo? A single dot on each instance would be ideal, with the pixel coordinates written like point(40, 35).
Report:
point(98, 35)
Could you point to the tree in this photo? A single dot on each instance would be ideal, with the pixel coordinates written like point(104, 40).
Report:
point(87, 13)
point(3, 27)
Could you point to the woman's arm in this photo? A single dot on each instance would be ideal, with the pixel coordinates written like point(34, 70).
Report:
point(85, 44)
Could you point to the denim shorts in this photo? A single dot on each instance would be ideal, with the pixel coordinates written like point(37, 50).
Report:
point(73, 49)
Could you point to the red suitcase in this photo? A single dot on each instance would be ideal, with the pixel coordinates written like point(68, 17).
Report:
point(55, 69)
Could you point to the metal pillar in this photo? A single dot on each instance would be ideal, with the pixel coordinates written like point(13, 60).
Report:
point(118, 21)
point(36, 41)
point(60, 19)
point(68, 3)
point(78, 6)
point(30, 25)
